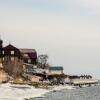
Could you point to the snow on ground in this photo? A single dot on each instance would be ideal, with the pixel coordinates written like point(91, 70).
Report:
point(20, 92)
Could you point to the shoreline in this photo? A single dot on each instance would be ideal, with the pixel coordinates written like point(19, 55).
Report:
point(10, 91)
point(25, 92)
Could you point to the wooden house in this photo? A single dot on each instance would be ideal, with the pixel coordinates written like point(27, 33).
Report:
point(13, 58)
point(29, 56)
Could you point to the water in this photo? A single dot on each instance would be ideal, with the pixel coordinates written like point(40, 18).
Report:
point(87, 93)
point(19, 92)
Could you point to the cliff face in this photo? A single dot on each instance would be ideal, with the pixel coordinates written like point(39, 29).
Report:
point(3, 76)
point(13, 68)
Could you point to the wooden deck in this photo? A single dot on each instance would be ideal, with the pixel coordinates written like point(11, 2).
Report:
point(81, 82)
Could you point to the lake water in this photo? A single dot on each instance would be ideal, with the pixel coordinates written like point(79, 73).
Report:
point(87, 93)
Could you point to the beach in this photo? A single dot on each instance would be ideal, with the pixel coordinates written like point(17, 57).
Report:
point(17, 92)
point(21, 92)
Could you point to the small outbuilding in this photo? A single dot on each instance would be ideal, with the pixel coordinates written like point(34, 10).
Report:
point(56, 70)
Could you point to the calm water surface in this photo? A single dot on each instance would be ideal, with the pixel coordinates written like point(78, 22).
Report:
point(87, 93)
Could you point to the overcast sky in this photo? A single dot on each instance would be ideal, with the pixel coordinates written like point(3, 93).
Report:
point(67, 30)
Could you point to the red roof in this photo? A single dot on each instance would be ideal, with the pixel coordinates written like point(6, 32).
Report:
point(27, 50)
point(30, 53)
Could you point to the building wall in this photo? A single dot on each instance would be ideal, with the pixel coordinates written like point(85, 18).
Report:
point(13, 67)
point(29, 60)
point(56, 72)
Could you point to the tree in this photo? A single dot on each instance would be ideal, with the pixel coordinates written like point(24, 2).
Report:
point(43, 61)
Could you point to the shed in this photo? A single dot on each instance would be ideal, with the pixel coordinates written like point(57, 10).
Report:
point(56, 70)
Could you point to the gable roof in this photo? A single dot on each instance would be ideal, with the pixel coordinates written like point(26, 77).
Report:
point(29, 53)
point(10, 47)
point(56, 68)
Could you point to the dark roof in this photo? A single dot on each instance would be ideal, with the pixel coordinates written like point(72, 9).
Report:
point(26, 53)
point(10, 47)
point(56, 68)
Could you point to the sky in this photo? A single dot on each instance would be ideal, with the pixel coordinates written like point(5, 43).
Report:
point(67, 30)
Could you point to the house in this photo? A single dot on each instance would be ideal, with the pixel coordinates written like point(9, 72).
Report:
point(56, 70)
point(29, 56)
point(13, 58)
point(56, 75)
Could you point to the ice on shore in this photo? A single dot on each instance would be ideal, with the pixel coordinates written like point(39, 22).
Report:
point(20, 92)
point(11, 92)
point(61, 87)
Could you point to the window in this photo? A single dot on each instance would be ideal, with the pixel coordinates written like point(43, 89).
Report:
point(25, 55)
point(12, 52)
point(29, 60)
point(3, 52)
point(12, 58)
point(3, 59)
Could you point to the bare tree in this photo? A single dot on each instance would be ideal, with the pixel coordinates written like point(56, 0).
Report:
point(43, 61)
